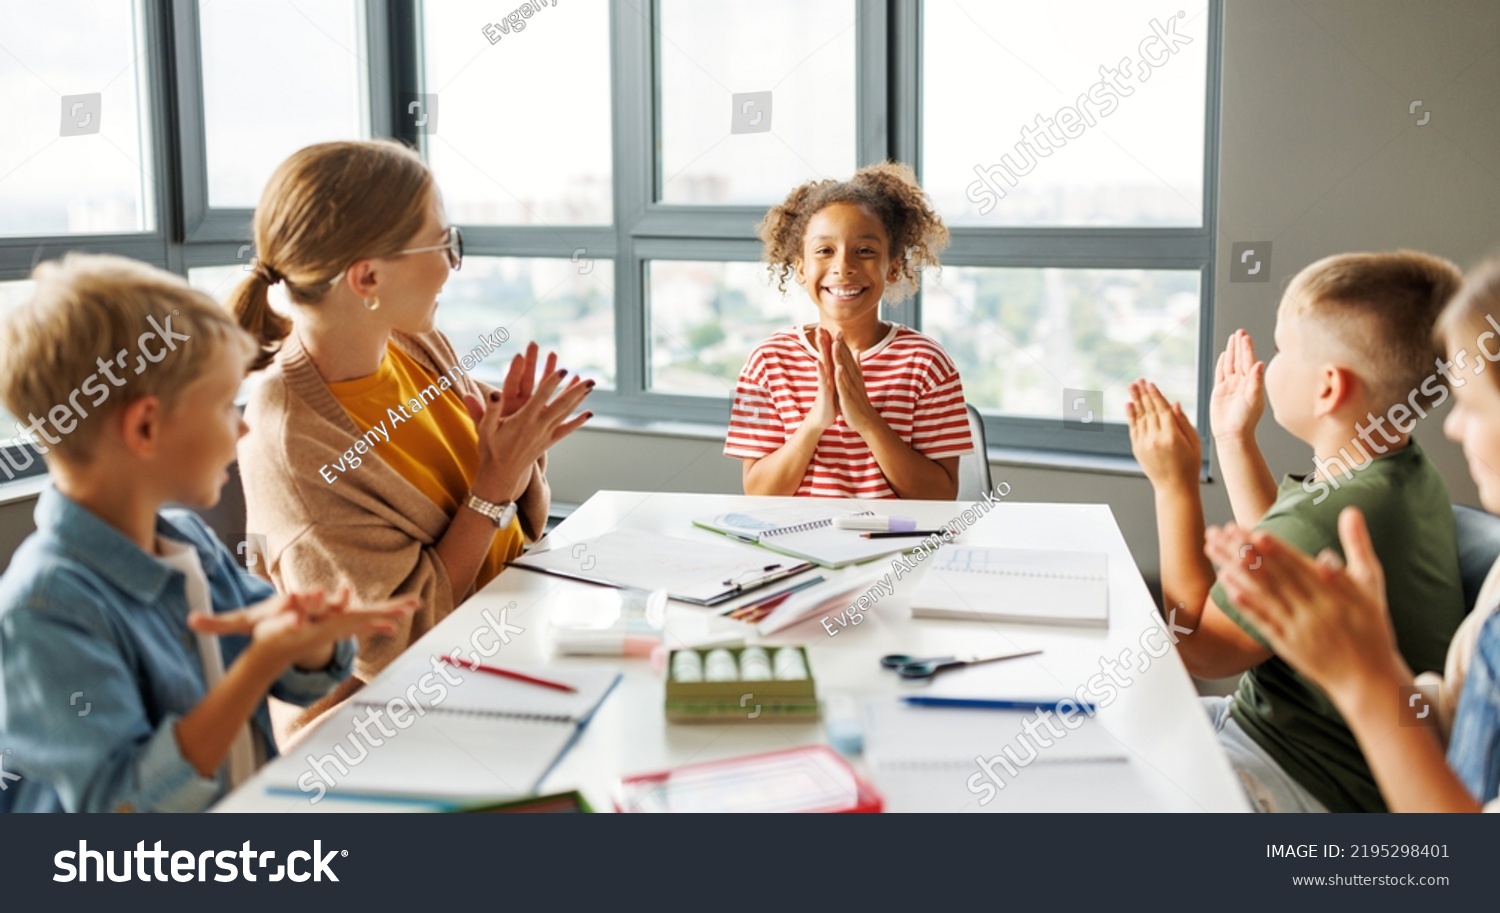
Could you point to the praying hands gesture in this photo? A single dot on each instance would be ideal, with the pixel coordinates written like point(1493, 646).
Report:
point(825, 408)
point(853, 400)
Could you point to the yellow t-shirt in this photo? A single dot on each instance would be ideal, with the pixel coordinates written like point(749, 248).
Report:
point(433, 442)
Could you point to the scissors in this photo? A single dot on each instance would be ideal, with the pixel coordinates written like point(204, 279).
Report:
point(922, 669)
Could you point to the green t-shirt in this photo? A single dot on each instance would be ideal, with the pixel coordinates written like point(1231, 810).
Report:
point(1410, 518)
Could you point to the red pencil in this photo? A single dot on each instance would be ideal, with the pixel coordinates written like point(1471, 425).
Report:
point(506, 673)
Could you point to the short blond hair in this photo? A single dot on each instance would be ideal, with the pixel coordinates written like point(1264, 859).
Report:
point(82, 346)
point(1383, 308)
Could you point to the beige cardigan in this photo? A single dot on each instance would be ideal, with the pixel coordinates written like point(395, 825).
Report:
point(371, 527)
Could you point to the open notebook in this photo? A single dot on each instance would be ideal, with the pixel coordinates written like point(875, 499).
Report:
point(805, 532)
point(926, 759)
point(1014, 584)
point(484, 738)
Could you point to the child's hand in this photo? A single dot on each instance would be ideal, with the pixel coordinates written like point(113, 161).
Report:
point(854, 401)
point(1238, 398)
point(1162, 438)
point(1328, 621)
point(301, 629)
point(825, 408)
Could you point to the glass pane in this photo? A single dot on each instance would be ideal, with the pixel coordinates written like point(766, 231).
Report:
point(1084, 114)
point(75, 153)
point(563, 306)
point(277, 77)
point(707, 317)
point(1020, 337)
point(521, 131)
point(755, 96)
point(12, 295)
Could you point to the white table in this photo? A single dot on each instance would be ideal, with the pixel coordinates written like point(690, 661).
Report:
point(1157, 717)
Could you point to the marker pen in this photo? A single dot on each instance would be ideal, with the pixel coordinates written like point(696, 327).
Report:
point(875, 523)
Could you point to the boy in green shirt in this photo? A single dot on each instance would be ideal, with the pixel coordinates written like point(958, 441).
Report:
point(1355, 357)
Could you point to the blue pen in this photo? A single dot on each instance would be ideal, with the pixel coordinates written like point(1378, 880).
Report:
point(975, 703)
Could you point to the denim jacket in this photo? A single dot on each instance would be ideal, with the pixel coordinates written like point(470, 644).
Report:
point(97, 665)
point(1474, 749)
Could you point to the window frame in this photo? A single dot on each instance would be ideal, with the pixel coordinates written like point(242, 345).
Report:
point(888, 90)
point(190, 233)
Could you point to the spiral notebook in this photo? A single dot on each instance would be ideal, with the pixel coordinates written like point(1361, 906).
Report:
point(805, 532)
point(483, 738)
point(1014, 585)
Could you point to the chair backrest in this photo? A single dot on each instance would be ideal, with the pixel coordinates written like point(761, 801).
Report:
point(1478, 548)
point(974, 469)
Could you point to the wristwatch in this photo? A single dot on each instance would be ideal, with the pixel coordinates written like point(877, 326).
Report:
point(502, 514)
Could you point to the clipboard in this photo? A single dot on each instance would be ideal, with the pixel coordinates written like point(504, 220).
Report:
point(690, 570)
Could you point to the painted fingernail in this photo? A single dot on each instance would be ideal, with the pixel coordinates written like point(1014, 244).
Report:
point(589, 384)
point(562, 372)
point(588, 415)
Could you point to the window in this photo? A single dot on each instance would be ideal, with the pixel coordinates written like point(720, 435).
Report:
point(1079, 256)
point(1021, 337)
point(561, 305)
point(518, 132)
point(1070, 149)
point(707, 317)
point(1084, 117)
point(75, 151)
point(609, 162)
point(789, 67)
point(276, 77)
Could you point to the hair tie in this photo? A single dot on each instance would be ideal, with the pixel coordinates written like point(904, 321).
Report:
point(267, 274)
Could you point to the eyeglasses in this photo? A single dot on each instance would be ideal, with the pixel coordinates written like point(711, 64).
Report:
point(454, 246)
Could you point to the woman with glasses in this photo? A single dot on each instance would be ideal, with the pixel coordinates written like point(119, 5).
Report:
point(374, 457)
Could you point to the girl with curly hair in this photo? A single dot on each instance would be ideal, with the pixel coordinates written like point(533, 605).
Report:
point(851, 406)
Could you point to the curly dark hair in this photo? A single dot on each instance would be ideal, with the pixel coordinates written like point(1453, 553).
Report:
point(890, 192)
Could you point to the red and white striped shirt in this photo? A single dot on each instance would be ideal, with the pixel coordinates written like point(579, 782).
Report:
point(911, 382)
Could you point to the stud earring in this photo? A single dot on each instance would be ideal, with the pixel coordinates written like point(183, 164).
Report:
point(372, 304)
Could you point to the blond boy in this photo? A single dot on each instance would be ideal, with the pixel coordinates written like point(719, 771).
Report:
point(135, 658)
point(1356, 366)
